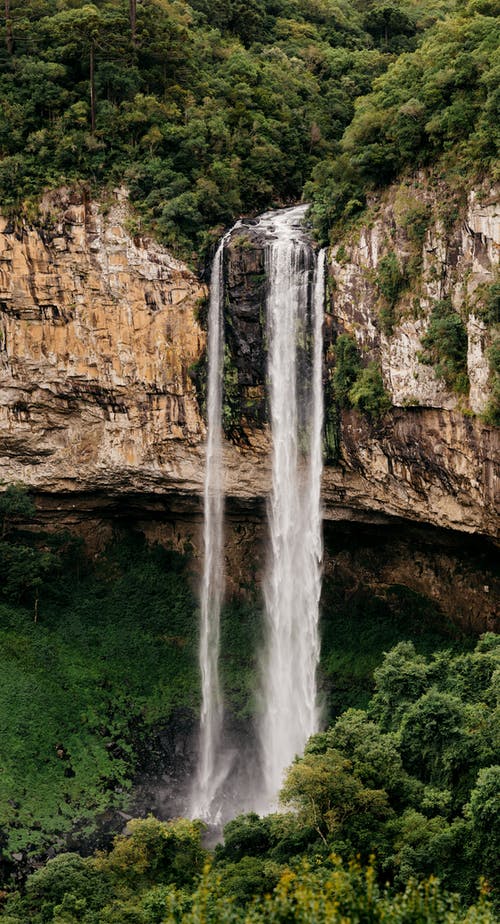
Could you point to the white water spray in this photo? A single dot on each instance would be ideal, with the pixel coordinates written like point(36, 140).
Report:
point(293, 581)
point(209, 773)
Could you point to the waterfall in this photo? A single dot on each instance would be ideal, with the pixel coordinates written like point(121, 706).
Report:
point(210, 773)
point(290, 714)
point(293, 580)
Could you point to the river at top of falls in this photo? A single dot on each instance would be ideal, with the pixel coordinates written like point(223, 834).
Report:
point(289, 711)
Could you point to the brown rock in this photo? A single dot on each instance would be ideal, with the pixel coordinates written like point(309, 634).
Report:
point(98, 333)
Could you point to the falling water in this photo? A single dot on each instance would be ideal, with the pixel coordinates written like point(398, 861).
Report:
point(293, 581)
point(209, 771)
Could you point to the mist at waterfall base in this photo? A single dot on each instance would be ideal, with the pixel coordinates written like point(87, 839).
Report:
point(234, 776)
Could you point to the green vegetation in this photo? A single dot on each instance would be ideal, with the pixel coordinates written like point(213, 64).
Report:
point(492, 412)
point(112, 653)
point(445, 346)
point(26, 567)
point(491, 311)
point(152, 876)
point(204, 111)
point(416, 221)
point(411, 778)
point(407, 777)
point(368, 394)
point(143, 875)
point(231, 406)
point(359, 626)
point(346, 368)
point(390, 281)
point(437, 103)
point(112, 657)
point(354, 385)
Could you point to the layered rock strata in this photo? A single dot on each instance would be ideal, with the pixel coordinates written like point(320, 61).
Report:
point(97, 335)
point(431, 458)
point(100, 338)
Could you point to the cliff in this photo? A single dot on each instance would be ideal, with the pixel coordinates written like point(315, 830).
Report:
point(97, 335)
point(432, 457)
point(101, 346)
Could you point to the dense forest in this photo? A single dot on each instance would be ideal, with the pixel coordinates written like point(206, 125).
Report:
point(391, 814)
point(211, 110)
point(204, 112)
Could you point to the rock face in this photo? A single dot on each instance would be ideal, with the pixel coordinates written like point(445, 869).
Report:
point(100, 337)
point(432, 455)
point(431, 458)
point(438, 259)
point(97, 335)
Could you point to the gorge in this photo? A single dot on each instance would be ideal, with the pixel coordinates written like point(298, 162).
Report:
point(249, 461)
point(102, 358)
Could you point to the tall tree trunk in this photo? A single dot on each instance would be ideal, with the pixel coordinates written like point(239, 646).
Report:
point(92, 89)
point(9, 38)
point(133, 19)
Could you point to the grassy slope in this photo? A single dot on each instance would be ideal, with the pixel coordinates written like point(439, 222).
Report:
point(115, 652)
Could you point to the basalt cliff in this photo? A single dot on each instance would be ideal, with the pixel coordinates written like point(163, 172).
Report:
point(102, 346)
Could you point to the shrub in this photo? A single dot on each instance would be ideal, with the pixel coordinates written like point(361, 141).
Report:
point(346, 369)
point(416, 221)
point(368, 394)
point(492, 413)
point(390, 281)
point(445, 346)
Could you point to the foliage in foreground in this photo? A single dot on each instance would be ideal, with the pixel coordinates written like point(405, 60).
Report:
point(413, 779)
point(317, 893)
point(158, 874)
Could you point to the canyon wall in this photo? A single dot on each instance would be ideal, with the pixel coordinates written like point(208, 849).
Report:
point(431, 458)
point(101, 376)
point(97, 335)
point(432, 455)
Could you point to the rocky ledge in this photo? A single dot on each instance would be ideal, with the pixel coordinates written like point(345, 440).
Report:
point(100, 341)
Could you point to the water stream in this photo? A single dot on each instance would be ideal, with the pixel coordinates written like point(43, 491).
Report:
point(293, 579)
point(210, 774)
point(292, 585)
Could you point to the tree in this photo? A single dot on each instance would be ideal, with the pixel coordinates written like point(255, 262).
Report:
point(24, 572)
point(132, 6)
point(81, 34)
point(390, 26)
point(9, 39)
point(483, 810)
point(368, 393)
point(346, 369)
point(327, 794)
point(400, 680)
point(15, 505)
